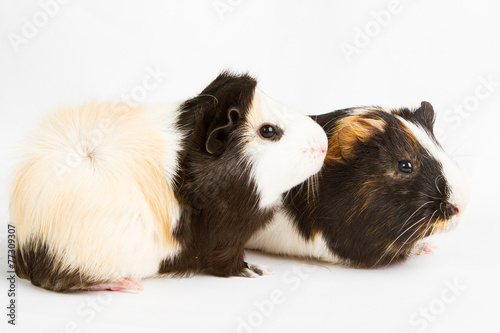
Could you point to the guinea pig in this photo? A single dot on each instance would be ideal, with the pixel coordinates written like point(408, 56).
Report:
point(109, 194)
point(385, 187)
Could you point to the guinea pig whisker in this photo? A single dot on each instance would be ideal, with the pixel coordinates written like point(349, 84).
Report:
point(315, 179)
point(435, 182)
point(430, 196)
point(434, 227)
point(430, 224)
point(428, 202)
point(308, 188)
point(405, 243)
point(208, 95)
point(313, 187)
point(328, 123)
point(441, 208)
point(292, 199)
point(285, 197)
point(390, 245)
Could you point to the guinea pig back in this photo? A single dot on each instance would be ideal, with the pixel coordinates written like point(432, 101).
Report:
point(93, 198)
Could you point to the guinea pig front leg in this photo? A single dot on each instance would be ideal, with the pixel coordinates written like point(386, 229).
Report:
point(253, 271)
point(425, 248)
point(228, 262)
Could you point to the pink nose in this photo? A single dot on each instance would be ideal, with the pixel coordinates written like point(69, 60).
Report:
point(455, 209)
point(318, 149)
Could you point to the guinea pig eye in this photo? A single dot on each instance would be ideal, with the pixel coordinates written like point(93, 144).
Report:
point(405, 166)
point(267, 131)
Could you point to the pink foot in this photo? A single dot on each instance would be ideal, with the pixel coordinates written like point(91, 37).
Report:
point(264, 269)
point(426, 248)
point(130, 285)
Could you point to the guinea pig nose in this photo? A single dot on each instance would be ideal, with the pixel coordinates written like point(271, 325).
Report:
point(451, 209)
point(318, 149)
point(320, 146)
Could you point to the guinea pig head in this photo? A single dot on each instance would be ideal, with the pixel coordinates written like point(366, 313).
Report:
point(283, 146)
point(397, 184)
point(240, 131)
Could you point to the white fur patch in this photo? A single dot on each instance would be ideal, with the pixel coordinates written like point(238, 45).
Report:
point(282, 237)
point(455, 179)
point(364, 110)
point(277, 166)
point(168, 115)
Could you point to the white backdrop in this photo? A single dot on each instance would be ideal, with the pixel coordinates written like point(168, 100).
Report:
point(316, 56)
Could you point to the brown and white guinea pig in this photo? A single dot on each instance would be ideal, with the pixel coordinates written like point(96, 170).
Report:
point(386, 185)
point(108, 194)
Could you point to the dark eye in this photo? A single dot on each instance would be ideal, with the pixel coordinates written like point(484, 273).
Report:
point(267, 131)
point(405, 166)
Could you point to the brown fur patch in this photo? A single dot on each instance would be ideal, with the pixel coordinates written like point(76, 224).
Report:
point(219, 199)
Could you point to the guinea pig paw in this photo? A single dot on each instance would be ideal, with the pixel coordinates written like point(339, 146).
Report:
point(248, 273)
point(426, 248)
point(128, 285)
point(260, 270)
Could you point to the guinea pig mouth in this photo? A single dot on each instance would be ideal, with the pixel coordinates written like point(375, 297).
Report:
point(444, 225)
point(443, 219)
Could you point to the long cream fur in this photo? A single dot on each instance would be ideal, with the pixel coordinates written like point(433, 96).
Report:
point(95, 182)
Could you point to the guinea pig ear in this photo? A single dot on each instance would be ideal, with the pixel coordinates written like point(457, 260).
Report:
point(219, 131)
point(361, 130)
point(425, 114)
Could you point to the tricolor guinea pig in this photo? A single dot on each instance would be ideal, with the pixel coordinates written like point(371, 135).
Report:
point(386, 185)
point(109, 194)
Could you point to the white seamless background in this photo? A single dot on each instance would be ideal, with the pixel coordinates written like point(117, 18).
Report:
point(315, 56)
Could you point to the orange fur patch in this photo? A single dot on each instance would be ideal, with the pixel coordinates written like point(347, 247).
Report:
point(441, 225)
point(349, 132)
point(159, 196)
